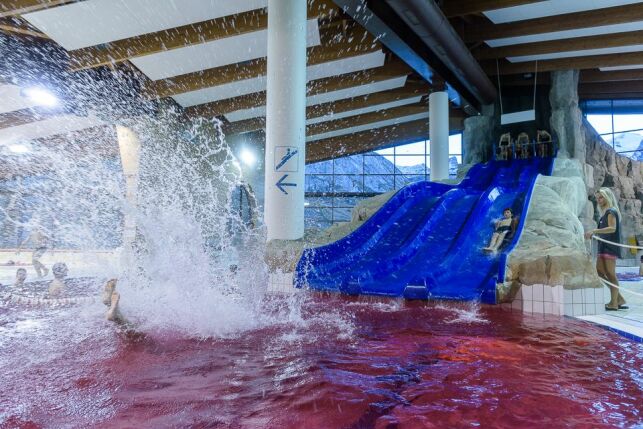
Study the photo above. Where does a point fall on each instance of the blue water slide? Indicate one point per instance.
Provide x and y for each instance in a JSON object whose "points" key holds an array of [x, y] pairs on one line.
{"points": [[427, 240]]}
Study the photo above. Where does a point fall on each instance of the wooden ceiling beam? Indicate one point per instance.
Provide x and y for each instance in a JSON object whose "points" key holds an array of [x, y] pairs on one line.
{"points": [[549, 24], [562, 45], [377, 138], [588, 62], [359, 43], [19, 7], [367, 118], [587, 76], [601, 96], [179, 37], [221, 107], [25, 116], [10, 27], [453, 8], [345, 105], [635, 86]]}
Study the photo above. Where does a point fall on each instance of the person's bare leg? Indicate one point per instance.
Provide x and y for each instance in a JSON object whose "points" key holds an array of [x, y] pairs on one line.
{"points": [[108, 290], [602, 271], [499, 237], [610, 272], [113, 314], [492, 243]]}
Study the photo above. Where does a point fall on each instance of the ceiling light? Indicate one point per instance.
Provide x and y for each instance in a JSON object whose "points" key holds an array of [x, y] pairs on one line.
{"points": [[248, 158], [41, 96], [18, 148]]}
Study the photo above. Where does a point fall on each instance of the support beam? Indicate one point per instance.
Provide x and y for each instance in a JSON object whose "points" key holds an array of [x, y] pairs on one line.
{"points": [[453, 8], [25, 116], [611, 88], [588, 62], [285, 121], [562, 45], [587, 76], [549, 24], [319, 86], [13, 29], [179, 37], [339, 106], [377, 138], [129, 147], [19, 7], [359, 43], [439, 134], [365, 118]]}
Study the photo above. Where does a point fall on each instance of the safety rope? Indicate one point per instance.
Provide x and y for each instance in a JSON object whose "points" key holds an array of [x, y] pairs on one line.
{"points": [[617, 244], [618, 287], [20, 299]]}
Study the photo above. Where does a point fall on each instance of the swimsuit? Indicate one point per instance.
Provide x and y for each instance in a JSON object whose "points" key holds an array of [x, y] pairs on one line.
{"points": [[503, 228]]}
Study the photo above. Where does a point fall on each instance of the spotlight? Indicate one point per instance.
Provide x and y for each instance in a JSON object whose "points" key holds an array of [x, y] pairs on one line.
{"points": [[40, 96], [18, 148], [248, 157]]}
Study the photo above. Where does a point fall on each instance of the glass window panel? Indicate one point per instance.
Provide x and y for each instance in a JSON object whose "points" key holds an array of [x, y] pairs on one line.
{"points": [[376, 164], [417, 148], [628, 141], [403, 180], [608, 138], [636, 155], [348, 183], [342, 214], [387, 151], [324, 167], [319, 215], [628, 122], [454, 161], [319, 183], [411, 164], [345, 202], [349, 165], [378, 183], [455, 144], [315, 223], [316, 202], [601, 123]]}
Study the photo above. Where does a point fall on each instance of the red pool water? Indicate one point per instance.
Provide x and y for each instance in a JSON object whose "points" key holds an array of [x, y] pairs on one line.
{"points": [[363, 365]]}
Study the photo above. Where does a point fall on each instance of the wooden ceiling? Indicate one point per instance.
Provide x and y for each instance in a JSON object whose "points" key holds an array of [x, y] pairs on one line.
{"points": [[341, 39]]}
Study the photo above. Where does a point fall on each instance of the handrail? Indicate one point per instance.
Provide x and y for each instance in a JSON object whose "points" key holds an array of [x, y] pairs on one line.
{"points": [[619, 287], [617, 244]]}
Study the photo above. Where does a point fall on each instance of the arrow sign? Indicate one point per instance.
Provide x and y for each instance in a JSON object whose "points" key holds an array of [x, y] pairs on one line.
{"points": [[281, 184]]}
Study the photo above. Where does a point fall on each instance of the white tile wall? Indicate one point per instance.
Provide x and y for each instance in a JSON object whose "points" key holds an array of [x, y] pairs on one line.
{"points": [[558, 301], [280, 283]]}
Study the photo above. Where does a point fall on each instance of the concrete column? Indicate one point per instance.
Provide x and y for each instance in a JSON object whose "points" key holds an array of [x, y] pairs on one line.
{"points": [[130, 150], [439, 134], [285, 120]]}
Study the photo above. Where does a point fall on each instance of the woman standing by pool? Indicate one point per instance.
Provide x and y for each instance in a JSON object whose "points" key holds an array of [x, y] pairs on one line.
{"points": [[609, 229]]}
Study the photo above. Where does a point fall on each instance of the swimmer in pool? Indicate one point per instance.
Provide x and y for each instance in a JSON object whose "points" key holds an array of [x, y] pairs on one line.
{"points": [[111, 299], [21, 276], [503, 226]]}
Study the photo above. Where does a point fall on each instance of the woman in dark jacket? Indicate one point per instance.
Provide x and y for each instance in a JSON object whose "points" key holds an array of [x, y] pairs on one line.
{"points": [[609, 228]]}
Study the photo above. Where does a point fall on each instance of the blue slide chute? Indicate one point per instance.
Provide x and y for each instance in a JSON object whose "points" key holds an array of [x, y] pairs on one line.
{"points": [[426, 241]]}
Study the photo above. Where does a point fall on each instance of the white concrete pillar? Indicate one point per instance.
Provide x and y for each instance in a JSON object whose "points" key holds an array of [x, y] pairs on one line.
{"points": [[285, 120], [439, 134], [130, 150]]}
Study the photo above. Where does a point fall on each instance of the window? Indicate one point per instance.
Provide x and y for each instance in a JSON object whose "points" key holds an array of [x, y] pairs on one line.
{"points": [[619, 122], [334, 187]]}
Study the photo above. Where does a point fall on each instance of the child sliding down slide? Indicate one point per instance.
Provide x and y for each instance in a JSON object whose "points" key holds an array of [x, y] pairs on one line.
{"points": [[503, 226]]}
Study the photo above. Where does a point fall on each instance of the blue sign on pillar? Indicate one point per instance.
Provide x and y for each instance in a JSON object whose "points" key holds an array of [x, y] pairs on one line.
{"points": [[286, 160]]}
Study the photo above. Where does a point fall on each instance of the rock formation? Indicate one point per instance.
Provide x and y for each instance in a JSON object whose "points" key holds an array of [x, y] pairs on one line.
{"points": [[551, 249]]}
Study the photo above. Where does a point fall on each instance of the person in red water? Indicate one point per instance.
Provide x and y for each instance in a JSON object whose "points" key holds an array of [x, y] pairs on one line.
{"points": [[111, 299], [609, 228], [503, 226]]}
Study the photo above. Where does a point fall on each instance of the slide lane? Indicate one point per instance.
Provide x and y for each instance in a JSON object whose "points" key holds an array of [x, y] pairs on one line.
{"points": [[392, 235]]}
